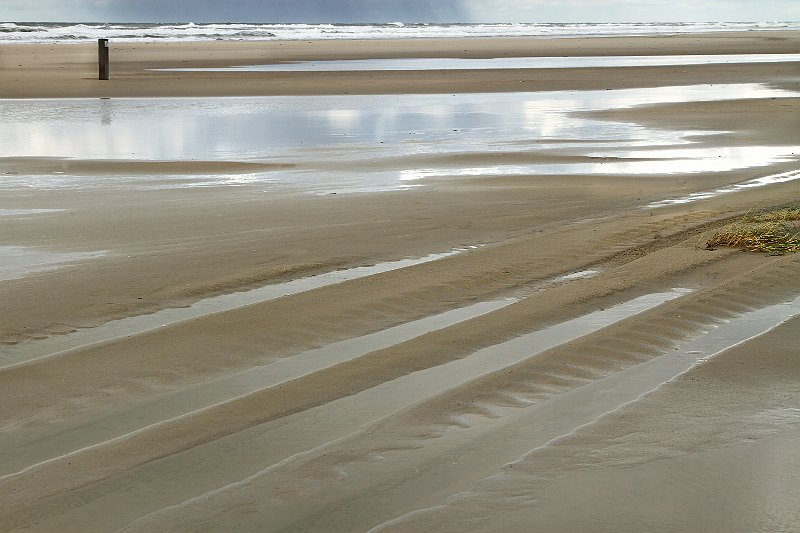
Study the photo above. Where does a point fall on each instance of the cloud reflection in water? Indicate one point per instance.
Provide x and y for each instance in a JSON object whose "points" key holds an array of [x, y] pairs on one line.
{"points": [[370, 142]]}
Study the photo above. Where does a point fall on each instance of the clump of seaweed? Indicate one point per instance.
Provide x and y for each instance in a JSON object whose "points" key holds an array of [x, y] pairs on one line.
{"points": [[776, 232]]}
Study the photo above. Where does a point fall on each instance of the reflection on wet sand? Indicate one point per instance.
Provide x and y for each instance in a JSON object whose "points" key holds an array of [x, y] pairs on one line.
{"points": [[455, 63], [17, 261], [771, 179], [372, 143]]}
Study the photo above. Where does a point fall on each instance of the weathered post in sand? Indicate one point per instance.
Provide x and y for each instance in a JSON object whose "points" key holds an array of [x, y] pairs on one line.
{"points": [[102, 58]]}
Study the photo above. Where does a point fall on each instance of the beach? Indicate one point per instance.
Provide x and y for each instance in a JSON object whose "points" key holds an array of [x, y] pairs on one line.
{"points": [[441, 299], [70, 69]]}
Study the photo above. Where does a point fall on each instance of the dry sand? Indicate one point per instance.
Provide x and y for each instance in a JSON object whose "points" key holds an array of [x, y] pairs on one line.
{"points": [[527, 417]]}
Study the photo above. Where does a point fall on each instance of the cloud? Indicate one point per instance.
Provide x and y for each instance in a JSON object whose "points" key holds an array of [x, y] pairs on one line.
{"points": [[44, 10], [289, 10], [400, 10], [631, 10]]}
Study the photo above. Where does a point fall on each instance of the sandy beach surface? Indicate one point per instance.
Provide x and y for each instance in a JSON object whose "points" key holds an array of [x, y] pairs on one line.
{"points": [[506, 337]]}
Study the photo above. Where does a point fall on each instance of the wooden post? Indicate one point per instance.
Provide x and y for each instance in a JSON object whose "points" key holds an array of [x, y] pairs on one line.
{"points": [[102, 58]]}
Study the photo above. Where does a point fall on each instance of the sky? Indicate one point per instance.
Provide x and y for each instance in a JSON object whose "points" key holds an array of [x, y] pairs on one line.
{"points": [[400, 10]]}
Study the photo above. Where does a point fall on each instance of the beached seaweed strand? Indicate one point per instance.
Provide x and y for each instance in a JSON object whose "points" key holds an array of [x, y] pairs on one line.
{"points": [[776, 232]]}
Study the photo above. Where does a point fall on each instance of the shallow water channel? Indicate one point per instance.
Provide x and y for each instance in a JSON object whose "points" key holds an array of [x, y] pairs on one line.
{"points": [[565, 411], [115, 329], [457, 63]]}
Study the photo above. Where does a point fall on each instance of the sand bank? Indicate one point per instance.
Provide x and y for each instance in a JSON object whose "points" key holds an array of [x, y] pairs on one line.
{"points": [[394, 403]]}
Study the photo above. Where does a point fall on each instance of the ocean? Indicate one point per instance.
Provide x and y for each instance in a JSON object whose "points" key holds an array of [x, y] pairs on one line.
{"points": [[38, 32]]}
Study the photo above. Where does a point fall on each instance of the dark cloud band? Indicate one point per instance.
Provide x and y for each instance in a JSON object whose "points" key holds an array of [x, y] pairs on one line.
{"points": [[290, 10]]}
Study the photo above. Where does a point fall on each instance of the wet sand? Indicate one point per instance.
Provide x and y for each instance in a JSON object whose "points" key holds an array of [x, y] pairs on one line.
{"points": [[575, 362]]}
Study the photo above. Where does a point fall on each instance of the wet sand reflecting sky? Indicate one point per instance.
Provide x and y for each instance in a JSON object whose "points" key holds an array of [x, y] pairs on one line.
{"points": [[437, 63], [372, 143]]}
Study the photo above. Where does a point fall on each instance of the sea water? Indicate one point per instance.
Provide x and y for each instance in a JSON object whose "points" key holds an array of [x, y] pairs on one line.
{"points": [[16, 32]]}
